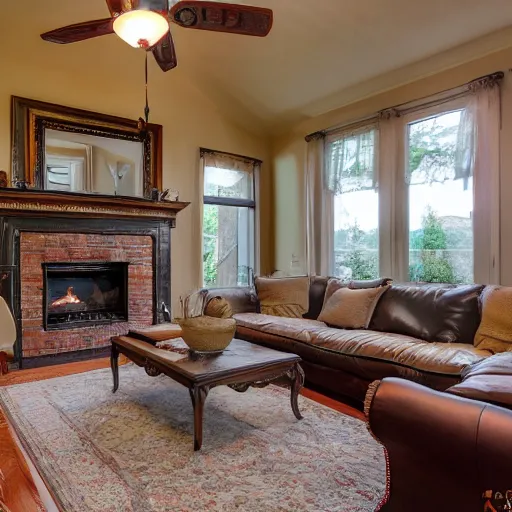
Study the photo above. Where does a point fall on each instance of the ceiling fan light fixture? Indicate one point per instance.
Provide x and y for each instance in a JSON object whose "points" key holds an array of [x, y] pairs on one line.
{"points": [[141, 29]]}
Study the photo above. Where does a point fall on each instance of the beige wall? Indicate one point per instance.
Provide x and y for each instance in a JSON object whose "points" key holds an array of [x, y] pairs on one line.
{"points": [[107, 76], [289, 155]]}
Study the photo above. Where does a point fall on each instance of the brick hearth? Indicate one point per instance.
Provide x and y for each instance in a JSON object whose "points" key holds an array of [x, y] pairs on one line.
{"points": [[38, 248]]}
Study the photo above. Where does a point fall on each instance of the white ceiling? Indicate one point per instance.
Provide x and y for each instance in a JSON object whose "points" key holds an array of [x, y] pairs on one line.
{"points": [[316, 49]]}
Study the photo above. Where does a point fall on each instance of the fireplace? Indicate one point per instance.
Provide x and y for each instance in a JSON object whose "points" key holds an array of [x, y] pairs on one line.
{"points": [[84, 294]]}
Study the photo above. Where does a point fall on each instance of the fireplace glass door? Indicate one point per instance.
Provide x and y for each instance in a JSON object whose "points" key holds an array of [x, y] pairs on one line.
{"points": [[83, 294]]}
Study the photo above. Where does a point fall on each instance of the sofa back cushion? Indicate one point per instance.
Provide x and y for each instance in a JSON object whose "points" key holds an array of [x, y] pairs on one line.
{"points": [[318, 287], [287, 296], [430, 313]]}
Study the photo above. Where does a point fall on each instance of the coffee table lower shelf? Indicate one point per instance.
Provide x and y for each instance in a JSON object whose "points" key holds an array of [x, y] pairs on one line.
{"points": [[241, 366]]}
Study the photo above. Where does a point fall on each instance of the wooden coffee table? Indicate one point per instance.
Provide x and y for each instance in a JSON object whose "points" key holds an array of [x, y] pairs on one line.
{"points": [[240, 366]]}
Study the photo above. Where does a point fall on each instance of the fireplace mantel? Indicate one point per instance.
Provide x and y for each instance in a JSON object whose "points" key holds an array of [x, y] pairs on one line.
{"points": [[38, 228], [59, 204]]}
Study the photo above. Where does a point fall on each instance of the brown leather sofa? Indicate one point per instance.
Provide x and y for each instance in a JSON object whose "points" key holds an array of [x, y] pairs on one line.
{"points": [[420, 333], [443, 451]]}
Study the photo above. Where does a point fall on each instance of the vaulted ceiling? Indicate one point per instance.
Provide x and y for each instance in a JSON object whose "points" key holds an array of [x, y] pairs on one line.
{"points": [[316, 50]]}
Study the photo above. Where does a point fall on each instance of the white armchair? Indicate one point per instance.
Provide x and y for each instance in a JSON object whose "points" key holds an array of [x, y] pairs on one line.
{"points": [[7, 335]]}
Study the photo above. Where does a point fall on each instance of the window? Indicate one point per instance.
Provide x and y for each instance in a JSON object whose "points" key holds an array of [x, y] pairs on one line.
{"points": [[440, 201], [228, 219], [352, 179]]}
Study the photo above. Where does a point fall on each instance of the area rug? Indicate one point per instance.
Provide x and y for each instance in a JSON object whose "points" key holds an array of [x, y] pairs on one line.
{"points": [[133, 451]]}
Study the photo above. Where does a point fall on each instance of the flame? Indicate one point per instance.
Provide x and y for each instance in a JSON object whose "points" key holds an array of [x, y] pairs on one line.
{"points": [[69, 298]]}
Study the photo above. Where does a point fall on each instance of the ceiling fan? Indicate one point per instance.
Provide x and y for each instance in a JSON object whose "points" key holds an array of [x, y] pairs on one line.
{"points": [[145, 24]]}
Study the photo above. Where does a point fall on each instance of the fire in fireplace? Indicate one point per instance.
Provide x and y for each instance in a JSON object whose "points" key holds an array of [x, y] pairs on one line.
{"points": [[83, 294]]}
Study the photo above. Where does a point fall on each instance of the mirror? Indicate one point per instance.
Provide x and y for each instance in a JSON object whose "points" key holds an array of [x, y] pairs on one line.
{"points": [[69, 150]]}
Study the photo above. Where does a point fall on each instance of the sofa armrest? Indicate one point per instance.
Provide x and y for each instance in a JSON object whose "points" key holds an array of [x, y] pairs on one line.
{"points": [[241, 299], [440, 448]]}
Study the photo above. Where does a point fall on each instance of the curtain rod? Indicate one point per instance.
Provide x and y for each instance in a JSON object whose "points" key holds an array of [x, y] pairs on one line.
{"points": [[203, 151], [491, 78]]}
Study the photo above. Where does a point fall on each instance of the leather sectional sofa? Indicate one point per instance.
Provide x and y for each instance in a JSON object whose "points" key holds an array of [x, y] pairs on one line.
{"points": [[417, 332]]}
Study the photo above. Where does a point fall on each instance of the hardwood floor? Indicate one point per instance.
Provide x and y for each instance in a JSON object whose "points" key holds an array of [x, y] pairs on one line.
{"points": [[17, 488]]}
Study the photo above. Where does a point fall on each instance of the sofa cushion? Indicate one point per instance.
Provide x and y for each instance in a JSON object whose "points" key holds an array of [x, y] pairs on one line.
{"points": [[496, 389], [495, 330], [438, 358], [431, 313], [293, 328], [286, 297], [351, 309], [407, 351], [317, 286], [489, 380]]}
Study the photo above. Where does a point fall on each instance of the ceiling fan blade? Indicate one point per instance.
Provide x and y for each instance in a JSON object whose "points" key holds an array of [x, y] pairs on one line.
{"points": [[80, 31], [165, 53], [221, 17]]}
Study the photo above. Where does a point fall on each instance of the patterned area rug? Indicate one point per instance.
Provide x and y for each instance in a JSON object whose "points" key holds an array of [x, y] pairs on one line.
{"points": [[133, 451]]}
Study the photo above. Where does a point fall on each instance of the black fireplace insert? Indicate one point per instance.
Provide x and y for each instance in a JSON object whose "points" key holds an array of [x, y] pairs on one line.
{"points": [[83, 294]]}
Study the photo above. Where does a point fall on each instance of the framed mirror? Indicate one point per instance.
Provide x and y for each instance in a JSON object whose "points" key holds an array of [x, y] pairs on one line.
{"points": [[66, 149]]}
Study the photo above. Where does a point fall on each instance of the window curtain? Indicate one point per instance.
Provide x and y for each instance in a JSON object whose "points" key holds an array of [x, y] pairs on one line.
{"points": [[485, 108], [392, 196], [320, 209], [350, 161]]}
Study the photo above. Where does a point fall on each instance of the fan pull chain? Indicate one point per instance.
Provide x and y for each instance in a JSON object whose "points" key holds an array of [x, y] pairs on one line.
{"points": [[146, 109]]}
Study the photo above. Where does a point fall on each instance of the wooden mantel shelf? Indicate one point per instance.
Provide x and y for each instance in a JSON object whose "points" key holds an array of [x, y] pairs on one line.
{"points": [[65, 204]]}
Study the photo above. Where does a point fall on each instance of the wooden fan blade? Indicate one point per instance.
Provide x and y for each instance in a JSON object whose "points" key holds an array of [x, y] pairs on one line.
{"points": [[165, 53], [80, 31], [221, 17]]}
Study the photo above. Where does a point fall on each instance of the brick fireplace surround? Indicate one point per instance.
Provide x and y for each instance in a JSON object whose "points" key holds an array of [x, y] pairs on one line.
{"points": [[39, 248], [47, 227]]}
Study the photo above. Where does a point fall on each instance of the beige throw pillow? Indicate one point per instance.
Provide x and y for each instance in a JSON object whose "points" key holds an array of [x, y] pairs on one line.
{"points": [[495, 330], [286, 297], [351, 309]]}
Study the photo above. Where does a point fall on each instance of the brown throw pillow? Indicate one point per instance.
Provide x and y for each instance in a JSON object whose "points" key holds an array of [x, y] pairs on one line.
{"points": [[286, 297], [351, 309], [218, 307], [495, 330]]}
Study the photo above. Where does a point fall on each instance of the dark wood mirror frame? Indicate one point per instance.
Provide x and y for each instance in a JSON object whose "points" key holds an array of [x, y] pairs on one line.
{"points": [[30, 119]]}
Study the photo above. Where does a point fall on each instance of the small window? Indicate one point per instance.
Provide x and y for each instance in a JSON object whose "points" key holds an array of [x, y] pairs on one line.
{"points": [[228, 219]]}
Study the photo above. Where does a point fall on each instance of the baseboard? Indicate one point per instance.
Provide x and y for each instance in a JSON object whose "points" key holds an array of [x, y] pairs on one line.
{"points": [[64, 357]]}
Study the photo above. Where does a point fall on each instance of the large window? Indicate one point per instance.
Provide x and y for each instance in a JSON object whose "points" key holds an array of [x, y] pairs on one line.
{"points": [[406, 199], [228, 220]]}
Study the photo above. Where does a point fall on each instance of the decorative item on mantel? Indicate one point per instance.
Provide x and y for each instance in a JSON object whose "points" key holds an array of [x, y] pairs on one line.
{"points": [[204, 335], [4, 182]]}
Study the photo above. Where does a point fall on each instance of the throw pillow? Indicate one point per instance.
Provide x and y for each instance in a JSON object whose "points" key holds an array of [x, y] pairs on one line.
{"points": [[351, 309], [286, 297], [218, 307], [495, 330], [336, 284]]}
